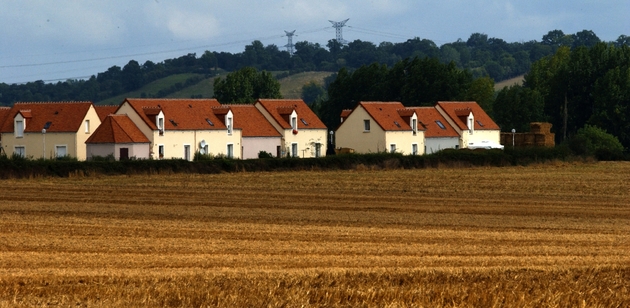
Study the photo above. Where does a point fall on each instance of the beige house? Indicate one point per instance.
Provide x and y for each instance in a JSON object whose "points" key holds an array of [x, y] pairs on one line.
{"points": [[472, 124], [49, 130], [257, 133], [303, 133], [373, 127], [178, 128], [119, 137]]}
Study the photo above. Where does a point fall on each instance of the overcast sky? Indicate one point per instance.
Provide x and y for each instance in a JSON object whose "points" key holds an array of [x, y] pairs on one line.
{"points": [[56, 40]]}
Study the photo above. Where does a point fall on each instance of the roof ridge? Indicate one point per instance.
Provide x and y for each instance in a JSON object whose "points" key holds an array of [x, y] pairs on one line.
{"points": [[51, 102], [121, 128]]}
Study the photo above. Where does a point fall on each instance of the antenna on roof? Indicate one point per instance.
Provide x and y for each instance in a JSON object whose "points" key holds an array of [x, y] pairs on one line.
{"points": [[338, 25], [289, 44]]}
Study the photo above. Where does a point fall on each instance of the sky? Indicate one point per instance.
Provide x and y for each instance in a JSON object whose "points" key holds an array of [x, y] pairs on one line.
{"points": [[74, 39]]}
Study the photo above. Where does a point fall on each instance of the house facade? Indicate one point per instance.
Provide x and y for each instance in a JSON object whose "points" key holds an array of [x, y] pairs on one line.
{"points": [[179, 128], [49, 130], [438, 133], [119, 137], [257, 133], [472, 124], [303, 134], [373, 127]]}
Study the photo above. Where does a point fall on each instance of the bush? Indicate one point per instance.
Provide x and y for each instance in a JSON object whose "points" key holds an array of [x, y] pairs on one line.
{"points": [[594, 141], [264, 154]]}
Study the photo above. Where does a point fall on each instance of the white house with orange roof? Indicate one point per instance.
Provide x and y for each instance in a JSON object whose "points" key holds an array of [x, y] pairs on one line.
{"points": [[178, 128], [373, 127], [257, 133], [303, 133], [438, 133], [470, 121], [119, 137], [49, 129]]}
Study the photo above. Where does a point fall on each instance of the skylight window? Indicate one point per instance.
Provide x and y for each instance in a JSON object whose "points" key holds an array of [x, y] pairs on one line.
{"points": [[47, 125], [397, 124], [209, 122], [304, 121], [173, 122], [479, 122], [439, 123]]}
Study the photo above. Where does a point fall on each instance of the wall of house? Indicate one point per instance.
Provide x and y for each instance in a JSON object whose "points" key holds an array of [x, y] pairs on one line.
{"points": [[83, 136], [175, 140], [404, 141], [351, 134], [436, 144], [253, 145], [136, 150], [34, 144], [480, 135], [306, 140]]}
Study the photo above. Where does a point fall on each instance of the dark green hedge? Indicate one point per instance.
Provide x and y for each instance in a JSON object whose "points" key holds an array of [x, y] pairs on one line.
{"points": [[23, 168]]}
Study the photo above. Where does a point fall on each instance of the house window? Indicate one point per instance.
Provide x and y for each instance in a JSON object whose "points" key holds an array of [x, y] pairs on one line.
{"points": [[470, 126], [414, 149], [187, 151], [161, 151], [229, 125], [366, 125], [19, 129], [61, 150], [87, 126], [20, 151], [294, 150], [440, 124], [230, 151], [204, 150], [414, 126], [161, 125], [294, 123], [392, 148]]}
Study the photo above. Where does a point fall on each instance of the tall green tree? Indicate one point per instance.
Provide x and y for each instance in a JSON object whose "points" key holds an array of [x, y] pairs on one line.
{"points": [[245, 86], [517, 106]]}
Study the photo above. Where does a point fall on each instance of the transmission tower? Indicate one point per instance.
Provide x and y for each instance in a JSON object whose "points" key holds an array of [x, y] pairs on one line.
{"points": [[290, 45], [338, 25]]}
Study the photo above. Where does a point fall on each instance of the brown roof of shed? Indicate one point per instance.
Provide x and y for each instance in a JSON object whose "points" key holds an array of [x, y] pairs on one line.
{"points": [[57, 116], [117, 128], [431, 119], [307, 119], [458, 111], [252, 123], [179, 114]]}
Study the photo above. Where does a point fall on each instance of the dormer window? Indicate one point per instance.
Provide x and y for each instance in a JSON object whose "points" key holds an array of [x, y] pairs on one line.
{"points": [[19, 128], [294, 123], [471, 125], [160, 123], [414, 126], [229, 125]]}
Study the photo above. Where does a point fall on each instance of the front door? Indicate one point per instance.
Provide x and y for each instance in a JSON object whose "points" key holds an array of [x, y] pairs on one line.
{"points": [[124, 154]]}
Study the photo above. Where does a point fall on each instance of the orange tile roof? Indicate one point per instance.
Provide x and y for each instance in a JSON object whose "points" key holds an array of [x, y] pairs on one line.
{"points": [[252, 123], [179, 114], [429, 117], [307, 119], [117, 128], [104, 111], [388, 115], [458, 111], [63, 116]]}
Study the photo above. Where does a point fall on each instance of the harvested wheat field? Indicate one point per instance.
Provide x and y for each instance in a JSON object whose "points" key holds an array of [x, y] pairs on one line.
{"points": [[555, 235]]}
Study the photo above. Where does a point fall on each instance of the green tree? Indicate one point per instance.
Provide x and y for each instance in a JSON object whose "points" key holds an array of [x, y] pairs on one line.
{"points": [[246, 86], [517, 106], [592, 140], [312, 92], [481, 90]]}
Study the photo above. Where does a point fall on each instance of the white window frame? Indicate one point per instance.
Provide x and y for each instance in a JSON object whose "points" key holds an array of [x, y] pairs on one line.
{"points": [[318, 149], [392, 148], [229, 151], [160, 147], [159, 122], [23, 152], [57, 146], [414, 149], [366, 125], [187, 154], [414, 126], [19, 128], [87, 126], [230, 125], [294, 149]]}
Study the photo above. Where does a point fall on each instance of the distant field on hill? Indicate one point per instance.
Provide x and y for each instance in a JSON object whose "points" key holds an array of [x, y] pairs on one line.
{"points": [[153, 87], [554, 235], [291, 86], [509, 82]]}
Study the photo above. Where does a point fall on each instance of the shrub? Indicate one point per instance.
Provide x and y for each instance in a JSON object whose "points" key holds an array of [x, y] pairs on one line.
{"points": [[594, 141], [264, 154]]}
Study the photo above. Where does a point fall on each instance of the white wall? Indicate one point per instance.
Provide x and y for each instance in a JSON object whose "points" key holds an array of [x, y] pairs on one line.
{"points": [[436, 144], [253, 145], [137, 150]]}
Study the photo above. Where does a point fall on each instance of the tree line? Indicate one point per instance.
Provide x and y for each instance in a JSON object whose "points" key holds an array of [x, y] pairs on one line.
{"points": [[480, 55]]}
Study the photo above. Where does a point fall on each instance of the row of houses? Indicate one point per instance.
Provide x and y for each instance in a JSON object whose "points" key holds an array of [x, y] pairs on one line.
{"points": [[179, 128]]}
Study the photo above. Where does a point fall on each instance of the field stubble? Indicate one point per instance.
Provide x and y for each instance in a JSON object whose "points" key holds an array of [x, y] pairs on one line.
{"points": [[549, 235]]}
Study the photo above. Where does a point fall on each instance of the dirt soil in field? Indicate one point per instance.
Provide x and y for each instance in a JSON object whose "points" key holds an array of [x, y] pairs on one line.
{"points": [[553, 235]]}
